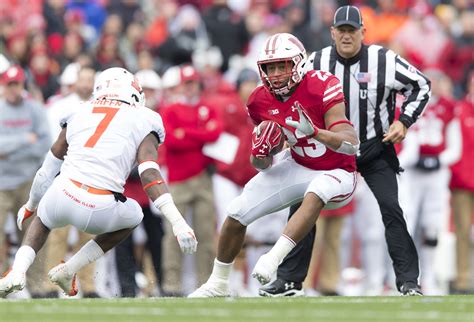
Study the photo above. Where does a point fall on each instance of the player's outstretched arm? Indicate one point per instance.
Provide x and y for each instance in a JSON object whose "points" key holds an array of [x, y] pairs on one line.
{"points": [[157, 190], [44, 178]]}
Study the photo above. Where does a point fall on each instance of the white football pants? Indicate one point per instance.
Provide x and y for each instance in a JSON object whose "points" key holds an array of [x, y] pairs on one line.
{"points": [[66, 204], [285, 184]]}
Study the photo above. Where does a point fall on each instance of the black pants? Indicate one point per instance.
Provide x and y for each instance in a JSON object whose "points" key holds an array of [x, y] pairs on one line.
{"points": [[382, 181], [125, 260]]}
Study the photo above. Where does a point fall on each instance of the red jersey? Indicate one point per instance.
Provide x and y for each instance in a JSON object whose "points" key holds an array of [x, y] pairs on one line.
{"points": [[188, 128], [433, 125], [462, 174], [236, 122], [317, 94]]}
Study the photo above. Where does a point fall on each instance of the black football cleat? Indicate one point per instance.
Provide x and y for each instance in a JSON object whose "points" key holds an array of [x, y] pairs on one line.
{"points": [[410, 289], [280, 287]]}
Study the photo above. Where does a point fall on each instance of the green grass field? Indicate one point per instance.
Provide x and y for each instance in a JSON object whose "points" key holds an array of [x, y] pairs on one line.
{"points": [[334, 309]]}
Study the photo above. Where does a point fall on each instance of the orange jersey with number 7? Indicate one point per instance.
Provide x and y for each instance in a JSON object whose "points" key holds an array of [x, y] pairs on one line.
{"points": [[103, 138], [317, 93]]}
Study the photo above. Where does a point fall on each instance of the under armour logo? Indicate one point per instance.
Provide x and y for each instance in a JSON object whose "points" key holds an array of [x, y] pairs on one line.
{"points": [[289, 286], [294, 108]]}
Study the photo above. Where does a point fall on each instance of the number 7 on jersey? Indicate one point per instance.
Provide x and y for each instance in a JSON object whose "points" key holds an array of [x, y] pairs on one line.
{"points": [[109, 115]]}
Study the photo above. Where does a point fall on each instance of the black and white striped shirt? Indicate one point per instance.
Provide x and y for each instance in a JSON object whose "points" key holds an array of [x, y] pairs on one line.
{"points": [[370, 82]]}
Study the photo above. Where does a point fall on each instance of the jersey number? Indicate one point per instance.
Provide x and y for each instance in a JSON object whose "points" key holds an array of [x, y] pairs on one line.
{"points": [[311, 148], [322, 75], [109, 115]]}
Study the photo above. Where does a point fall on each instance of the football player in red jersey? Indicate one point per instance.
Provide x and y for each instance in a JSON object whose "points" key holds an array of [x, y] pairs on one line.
{"points": [[434, 144], [462, 193], [318, 169]]}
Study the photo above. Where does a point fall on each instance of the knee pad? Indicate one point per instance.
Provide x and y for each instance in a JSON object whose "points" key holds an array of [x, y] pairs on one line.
{"points": [[234, 210]]}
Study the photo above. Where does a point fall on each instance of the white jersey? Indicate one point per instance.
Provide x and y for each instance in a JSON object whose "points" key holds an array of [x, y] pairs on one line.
{"points": [[103, 138]]}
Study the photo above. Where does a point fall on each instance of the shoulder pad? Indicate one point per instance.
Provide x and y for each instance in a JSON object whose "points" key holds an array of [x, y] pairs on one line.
{"points": [[155, 121], [317, 81]]}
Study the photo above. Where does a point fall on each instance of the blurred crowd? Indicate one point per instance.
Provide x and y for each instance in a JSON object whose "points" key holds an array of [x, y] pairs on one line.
{"points": [[196, 61]]}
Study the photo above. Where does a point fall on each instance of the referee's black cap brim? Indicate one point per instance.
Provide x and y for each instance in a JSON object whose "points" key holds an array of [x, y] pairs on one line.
{"points": [[347, 23]]}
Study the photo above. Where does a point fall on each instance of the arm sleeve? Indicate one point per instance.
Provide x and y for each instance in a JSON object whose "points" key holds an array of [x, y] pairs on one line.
{"points": [[416, 88], [43, 179], [453, 150], [410, 153]]}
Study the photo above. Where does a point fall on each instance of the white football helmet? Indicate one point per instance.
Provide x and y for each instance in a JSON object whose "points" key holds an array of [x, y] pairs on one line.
{"points": [[119, 84], [282, 47]]}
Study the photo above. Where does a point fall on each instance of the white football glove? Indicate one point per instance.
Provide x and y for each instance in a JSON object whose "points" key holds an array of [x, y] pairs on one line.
{"points": [[305, 126], [23, 214], [186, 239]]}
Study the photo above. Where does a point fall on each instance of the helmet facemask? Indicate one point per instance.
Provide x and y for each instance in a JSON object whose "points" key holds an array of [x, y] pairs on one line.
{"points": [[285, 48], [291, 74]]}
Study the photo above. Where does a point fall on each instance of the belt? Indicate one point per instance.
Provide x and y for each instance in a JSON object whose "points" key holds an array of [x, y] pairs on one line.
{"points": [[91, 189]]}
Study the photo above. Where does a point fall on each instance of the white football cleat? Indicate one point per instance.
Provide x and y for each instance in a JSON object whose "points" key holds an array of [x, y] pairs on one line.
{"points": [[12, 282], [265, 268], [212, 289], [60, 276]]}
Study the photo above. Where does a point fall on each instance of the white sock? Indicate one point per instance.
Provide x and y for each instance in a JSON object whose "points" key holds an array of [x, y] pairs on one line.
{"points": [[427, 268], [89, 253], [221, 271], [283, 246], [24, 257]]}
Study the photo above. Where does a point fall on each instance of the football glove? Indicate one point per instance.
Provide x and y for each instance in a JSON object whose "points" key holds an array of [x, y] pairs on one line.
{"points": [[265, 137], [23, 214], [304, 126], [185, 235]]}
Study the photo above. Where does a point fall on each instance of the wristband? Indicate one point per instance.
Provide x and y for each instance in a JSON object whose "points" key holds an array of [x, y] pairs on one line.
{"points": [[339, 122], [348, 148], [148, 185], [145, 165]]}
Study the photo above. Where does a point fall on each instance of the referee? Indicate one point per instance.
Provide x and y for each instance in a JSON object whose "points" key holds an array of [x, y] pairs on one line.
{"points": [[371, 77]]}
